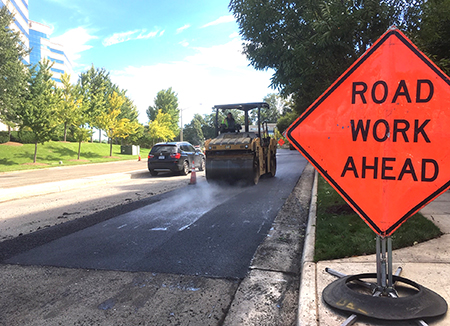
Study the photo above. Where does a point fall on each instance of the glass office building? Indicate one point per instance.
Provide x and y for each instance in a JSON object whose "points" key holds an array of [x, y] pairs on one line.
{"points": [[42, 47], [20, 10], [36, 36]]}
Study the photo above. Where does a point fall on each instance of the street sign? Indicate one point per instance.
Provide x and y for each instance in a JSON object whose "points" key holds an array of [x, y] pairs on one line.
{"points": [[379, 135]]}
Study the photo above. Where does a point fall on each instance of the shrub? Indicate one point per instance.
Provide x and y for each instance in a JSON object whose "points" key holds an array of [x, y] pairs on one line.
{"points": [[4, 137], [24, 137]]}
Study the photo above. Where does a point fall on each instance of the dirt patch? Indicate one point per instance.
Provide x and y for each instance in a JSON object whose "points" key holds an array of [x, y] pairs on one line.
{"points": [[12, 143], [78, 160], [343, 209], [113, 157], [36, 164]]}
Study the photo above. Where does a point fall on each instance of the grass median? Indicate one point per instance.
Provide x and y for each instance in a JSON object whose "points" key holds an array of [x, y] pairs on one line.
{"points": [[16, 156], [341, 233]]}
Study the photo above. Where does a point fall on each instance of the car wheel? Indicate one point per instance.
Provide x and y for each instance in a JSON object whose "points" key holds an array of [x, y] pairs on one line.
{"points": [[154, 173], [202, 165], [185, 169]]}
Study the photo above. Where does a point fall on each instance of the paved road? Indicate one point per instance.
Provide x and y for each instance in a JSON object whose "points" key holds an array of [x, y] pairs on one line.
{"points": [[208, 230], [267, 295]]}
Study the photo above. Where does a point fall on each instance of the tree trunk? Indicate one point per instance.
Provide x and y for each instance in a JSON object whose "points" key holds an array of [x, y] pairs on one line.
{"points": [[65, 131], [99, 136], [110, 148], [35, 152], [79, 149], [9, 133]]}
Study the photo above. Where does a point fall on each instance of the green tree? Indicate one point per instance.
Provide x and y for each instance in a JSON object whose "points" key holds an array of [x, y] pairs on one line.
{"points": [[70, 105], [160, 129], [81, 130], [96, 86], [128, 109], [112, 124], [271, 113], [13, 72], [167, 102], [309, 44], [286, 120], [208, 129], [38, 108], [430, 30], [193, 132]]}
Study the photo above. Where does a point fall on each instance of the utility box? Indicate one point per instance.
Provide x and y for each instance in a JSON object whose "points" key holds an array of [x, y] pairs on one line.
{"points": [[129, 150]]}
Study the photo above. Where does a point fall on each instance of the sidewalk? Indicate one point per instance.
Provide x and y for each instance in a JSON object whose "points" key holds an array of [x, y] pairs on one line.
{"points": [[427, 264]]}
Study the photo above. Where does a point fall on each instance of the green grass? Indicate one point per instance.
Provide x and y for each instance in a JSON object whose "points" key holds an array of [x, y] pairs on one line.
{"points": [[341, 233], [15, 158]]}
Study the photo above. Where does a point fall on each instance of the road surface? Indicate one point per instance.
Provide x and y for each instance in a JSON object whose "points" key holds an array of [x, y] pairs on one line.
{"points": [[173, 258]]}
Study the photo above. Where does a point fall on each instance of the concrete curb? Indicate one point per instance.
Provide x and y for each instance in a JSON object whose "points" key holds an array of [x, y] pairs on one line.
{"points": [[9, 194], [268, 295], [307, 299]]}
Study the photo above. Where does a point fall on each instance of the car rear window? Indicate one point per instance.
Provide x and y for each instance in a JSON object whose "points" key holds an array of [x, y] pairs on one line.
{"points": [[164, 149]]}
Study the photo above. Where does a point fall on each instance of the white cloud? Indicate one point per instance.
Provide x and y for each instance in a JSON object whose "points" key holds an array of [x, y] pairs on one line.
{"points": [[215, 75], [221, 20], [184, 43], [75, 41], [181, 29], [119, 38], [130, 35], [234, 35]]}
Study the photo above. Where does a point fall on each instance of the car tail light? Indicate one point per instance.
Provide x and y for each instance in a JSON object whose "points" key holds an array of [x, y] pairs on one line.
{"points": [[177, 155], [151, 156]]}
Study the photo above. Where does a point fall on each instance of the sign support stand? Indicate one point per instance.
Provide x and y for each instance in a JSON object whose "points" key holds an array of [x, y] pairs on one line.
{"points": [[341, 294], [384, 260]]}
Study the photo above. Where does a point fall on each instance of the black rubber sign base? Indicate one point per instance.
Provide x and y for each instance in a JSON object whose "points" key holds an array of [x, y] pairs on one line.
{"points": [[413, 302]]}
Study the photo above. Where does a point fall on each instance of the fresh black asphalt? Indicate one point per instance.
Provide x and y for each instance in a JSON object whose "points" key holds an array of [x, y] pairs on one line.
{"points": [[204, 229]]}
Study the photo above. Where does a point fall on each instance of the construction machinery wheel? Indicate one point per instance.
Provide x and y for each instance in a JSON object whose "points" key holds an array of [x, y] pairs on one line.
{"points": [[255, 173], [273, 165]]}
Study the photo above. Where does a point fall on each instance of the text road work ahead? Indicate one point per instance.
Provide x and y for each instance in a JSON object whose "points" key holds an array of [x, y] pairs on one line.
{"points": [[397, 130]]}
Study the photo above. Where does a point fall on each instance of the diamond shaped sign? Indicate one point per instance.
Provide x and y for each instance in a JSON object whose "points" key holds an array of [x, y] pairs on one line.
{"points": [[379, 134]]}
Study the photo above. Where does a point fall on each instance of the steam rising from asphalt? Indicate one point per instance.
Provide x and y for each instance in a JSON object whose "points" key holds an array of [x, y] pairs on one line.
{"points": [[182, 209]]}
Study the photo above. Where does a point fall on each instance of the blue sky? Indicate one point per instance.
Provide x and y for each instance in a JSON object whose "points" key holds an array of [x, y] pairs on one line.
{"points": [[146, 45]]}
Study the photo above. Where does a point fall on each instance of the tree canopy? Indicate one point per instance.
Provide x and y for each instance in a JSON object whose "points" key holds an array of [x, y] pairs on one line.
{"points": [[13, 72], [193, 132], [167, 101], [39, 106], [160, 129], [112, 124], [309, 44]]}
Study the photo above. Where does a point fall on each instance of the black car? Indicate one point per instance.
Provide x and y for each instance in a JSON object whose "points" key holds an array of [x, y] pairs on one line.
{"points": [[176, 157]]}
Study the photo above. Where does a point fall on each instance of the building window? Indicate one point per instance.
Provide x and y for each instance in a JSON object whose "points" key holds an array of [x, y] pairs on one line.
{"points": [[57, 70]]}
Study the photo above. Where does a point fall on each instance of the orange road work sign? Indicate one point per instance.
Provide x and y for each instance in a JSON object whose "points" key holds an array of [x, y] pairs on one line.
{"points": [[379, 135]]}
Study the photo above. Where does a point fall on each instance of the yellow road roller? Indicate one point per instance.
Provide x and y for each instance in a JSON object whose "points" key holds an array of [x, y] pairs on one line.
{"points": [[239, 154]]}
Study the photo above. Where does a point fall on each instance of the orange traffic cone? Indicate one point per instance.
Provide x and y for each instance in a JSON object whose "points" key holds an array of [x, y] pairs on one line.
{"points": [[193, 175], [139, 158]]}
